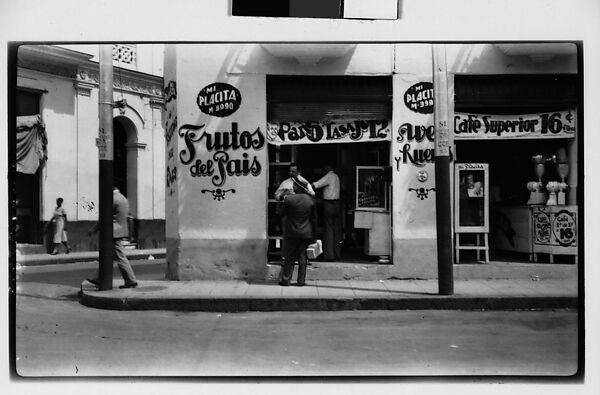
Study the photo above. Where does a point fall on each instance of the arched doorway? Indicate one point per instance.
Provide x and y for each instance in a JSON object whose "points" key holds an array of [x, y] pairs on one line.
{"points": [[120, 155], [125, 166]]}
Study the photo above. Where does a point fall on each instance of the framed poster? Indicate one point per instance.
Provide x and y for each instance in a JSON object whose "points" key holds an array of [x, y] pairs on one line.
{"points": [[471, 198], [371, 188]]}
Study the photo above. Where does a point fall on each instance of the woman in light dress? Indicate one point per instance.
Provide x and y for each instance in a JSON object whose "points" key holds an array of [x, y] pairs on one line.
{"points": [[60, 232]]}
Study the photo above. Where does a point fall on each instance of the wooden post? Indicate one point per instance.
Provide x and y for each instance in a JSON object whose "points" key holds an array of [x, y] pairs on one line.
{"points": [[105, 154], [442, 170]]}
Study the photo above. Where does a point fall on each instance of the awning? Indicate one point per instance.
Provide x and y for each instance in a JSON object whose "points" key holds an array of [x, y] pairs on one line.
{"points": [[31, 144]]}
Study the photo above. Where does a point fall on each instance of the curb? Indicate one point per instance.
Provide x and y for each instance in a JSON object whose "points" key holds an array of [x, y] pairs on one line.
{"points": [[75, 258], [231, 305]]}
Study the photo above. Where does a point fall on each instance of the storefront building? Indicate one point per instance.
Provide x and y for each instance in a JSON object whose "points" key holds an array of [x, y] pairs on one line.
{"points": [[57, 127], [237, 115]]}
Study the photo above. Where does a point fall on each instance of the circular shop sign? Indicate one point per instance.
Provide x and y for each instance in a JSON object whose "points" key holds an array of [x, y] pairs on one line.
{"points": [[422, 176], [419, 98], [542, 228], [219, 99], [563, 228]]}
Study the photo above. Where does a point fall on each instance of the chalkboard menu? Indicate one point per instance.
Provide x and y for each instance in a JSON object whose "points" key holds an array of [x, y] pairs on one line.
{"points": [[371, 188]]}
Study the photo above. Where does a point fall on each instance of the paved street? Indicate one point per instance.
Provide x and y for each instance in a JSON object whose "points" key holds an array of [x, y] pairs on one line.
{"points": [[55, 335]]}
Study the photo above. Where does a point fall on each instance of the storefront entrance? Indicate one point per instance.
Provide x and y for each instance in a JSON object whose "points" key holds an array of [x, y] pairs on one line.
{"points": [[360, 243], [524, 129], [344, 121]]}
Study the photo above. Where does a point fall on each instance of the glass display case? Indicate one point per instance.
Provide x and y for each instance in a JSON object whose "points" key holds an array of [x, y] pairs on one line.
{"points": [[371, 188]]}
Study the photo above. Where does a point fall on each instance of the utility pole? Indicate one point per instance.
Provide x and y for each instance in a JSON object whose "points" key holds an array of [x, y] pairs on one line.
{"points": [[105, 154], [442, 170]]}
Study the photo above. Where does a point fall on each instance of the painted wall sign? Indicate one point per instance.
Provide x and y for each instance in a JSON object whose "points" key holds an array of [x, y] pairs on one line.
{"points": [[170, 91], [222, 163], [410, 134], [170, 126], [422, 193], [218, 194], [219, 99], [553, 228], [105, 145], [281, 133], [419, 98], [560, 124]]}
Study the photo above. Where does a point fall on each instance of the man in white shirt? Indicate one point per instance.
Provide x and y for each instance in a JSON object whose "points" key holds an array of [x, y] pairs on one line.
{"points": [[332, 239], [287, 185]]}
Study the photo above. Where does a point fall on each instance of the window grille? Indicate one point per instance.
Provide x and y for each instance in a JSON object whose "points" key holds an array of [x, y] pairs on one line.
{"points": [[125, 53]]}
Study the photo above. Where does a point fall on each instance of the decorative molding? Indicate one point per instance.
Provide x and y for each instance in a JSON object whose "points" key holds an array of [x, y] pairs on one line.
{"points": [[83, 88], [63, 70], [157, 103], [128, 83]]}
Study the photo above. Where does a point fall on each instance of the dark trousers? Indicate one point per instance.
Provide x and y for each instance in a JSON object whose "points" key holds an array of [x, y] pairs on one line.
{"points": [[122, 263], [294, 250], [332, 238]]}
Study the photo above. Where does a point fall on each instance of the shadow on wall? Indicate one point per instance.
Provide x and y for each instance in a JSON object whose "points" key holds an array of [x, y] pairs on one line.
{"points": [[489, 59]]}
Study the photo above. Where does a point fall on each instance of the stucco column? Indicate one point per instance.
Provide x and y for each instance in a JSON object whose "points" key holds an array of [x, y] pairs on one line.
{"points": [[216, 190], [413, 171]]}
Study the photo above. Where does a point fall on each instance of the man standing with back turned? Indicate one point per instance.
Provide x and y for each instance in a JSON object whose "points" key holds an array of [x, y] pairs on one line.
{"points": [[332, 239], [300, 229]]}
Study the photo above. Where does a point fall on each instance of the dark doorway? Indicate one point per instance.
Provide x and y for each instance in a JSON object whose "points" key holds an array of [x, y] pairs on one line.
{"points": [[120, 157], [29, 225]]}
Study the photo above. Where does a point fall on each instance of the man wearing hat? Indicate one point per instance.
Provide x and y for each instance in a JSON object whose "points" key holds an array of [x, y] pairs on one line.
{"points": [[300, 229], [286, 185]]}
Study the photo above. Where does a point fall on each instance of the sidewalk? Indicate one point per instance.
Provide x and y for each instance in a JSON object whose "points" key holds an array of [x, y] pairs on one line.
{"points": [[238, 296], [84, 256]]}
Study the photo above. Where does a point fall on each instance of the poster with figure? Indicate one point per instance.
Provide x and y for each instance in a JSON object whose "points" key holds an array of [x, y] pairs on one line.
{"points": [[471, 201], [371, 188]]}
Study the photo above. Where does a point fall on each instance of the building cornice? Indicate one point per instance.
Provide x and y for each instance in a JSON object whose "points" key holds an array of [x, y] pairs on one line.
{"points": [[123, 80], [52, 54], [85, 73]]}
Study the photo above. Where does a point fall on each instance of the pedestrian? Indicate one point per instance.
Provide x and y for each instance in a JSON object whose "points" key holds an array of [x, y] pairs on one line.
{"points": [[300, 227], [332, 239], [286, 186], [285, 189], [59, 220], [120, 233]]}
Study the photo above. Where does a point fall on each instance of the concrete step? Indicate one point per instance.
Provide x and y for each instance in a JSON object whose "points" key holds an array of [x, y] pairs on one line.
{"points": [[30, 249]]}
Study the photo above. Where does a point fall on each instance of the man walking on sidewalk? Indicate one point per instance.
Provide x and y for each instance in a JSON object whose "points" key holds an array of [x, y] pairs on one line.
{"points": [[120, 233], [300, 229]]}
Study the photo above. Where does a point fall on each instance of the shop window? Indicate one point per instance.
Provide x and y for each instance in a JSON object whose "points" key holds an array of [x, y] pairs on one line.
{"points": [[333, 9]]}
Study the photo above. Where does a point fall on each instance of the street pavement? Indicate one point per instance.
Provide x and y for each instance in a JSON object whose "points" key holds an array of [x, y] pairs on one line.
{"points": [[369, 336], [57, 336]]}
